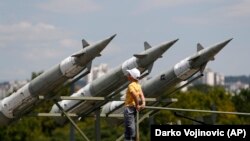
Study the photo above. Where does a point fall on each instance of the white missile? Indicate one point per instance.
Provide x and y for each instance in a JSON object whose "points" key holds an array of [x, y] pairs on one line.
{"points": [[23, 100]]}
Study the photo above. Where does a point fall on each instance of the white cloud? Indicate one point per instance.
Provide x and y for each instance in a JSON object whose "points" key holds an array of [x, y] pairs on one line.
{"points": [[28, 44], [28, 32], [36, 42], [70, 6]]}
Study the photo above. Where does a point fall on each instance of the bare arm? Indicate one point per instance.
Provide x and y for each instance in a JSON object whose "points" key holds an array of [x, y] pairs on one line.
{"points": [[136, 99], [143, 100]]}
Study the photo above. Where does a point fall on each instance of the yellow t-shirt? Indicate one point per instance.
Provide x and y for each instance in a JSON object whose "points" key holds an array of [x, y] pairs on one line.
{"points": [[135, 88]]}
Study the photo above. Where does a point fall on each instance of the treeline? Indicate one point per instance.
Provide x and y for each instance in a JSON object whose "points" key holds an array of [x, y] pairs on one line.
{"points": [[241, 78], [198, 97]]}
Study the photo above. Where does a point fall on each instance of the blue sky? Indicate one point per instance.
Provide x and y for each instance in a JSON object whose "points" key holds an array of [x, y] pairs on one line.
{"points": [[36, 35]]}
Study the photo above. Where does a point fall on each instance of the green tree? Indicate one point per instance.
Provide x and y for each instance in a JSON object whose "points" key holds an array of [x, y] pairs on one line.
{"points": [[201, 97], [241, 102]]}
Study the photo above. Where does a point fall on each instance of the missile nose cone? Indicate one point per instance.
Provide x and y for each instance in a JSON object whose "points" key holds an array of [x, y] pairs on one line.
{"points": [[226, 42], [167, 45], [113, 36], [222, 45], [102, 44], [106, 41], [173, 42], [95, 49]]}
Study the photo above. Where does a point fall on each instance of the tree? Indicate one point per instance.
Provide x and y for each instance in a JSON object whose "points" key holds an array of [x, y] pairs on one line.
{"points": [[202, 97], [241, 102]]}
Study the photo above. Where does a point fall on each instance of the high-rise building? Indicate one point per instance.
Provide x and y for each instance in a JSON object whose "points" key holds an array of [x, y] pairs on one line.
{"points": [[211, 78]]}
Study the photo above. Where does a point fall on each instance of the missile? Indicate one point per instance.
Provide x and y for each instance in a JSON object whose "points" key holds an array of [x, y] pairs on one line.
{"points": [[166, 81], [23, 100], [111, 81]]}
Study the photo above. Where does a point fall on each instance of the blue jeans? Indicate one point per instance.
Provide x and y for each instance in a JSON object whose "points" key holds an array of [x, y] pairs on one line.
{"points": [[129, 121]]}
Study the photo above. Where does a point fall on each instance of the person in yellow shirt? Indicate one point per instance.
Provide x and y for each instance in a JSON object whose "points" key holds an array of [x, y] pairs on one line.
{"points": [[134, 102]]}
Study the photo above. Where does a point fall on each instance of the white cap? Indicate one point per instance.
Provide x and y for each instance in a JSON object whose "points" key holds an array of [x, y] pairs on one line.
{"points": [[135, 73]]}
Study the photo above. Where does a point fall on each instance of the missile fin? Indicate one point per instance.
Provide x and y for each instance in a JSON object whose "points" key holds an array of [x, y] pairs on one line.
{"points": [[84, 43], [150, 67], [202, 68], [147, 45], [89, 65], [199, 47]]}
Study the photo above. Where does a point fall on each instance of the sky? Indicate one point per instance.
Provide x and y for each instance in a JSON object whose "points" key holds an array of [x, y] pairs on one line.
{"points": [[36, 35]]}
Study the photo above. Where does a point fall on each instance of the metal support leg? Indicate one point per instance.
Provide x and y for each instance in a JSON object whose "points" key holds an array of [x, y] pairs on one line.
{"points": [[97, 125], [137, 126], [72, 133], [72, 122], [151, 120], [71, 128]]}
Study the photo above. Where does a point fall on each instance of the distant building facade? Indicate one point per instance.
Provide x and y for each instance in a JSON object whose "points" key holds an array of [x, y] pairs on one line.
{"points": [[211, 78], [236, 87]]}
